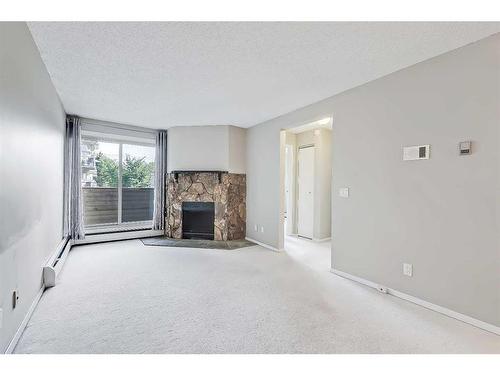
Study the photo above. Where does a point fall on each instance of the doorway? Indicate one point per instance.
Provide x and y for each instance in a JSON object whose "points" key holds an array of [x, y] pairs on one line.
{"points": [[306, 189]]}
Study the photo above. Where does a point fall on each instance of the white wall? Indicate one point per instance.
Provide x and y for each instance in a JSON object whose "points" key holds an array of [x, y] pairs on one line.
{"points": [[442, 215], [207, 148], [31, 172]]}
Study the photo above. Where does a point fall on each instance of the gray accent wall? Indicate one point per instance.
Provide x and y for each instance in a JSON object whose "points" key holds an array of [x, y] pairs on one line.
{"points": [[442, 215], [32, 127]]}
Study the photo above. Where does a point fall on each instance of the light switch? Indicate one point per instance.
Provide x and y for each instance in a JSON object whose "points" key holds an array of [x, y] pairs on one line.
{"points": [[344, 192]]}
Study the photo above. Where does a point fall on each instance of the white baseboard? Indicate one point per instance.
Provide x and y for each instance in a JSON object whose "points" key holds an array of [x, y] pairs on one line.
{"points": [[51, 259], [431, 306], [65, 245], [322, 239], [62, 259], [24, 323], [263, 245]]}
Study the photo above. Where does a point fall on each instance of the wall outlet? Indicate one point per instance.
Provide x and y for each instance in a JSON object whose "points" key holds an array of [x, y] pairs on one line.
{"points": [[256, 228], [344, 192], [1, 318], [261, 229], [408, 269]]}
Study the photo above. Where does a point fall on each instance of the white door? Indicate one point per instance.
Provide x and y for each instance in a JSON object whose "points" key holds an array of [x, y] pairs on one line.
{"points": [[305, 178]]}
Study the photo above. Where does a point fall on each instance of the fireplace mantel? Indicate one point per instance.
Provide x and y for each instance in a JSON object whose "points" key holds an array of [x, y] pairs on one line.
{"points": [[177, 173]]}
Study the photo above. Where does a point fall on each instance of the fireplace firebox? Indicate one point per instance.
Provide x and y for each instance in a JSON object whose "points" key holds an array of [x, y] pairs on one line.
{"points": [[198, 220]]}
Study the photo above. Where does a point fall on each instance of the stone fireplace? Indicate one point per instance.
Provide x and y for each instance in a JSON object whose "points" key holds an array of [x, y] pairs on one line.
{"points": [[226, 190]]}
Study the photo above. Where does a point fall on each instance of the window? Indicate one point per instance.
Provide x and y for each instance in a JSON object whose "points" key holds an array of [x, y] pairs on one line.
{"points": [[117, 182], [137, 183]]}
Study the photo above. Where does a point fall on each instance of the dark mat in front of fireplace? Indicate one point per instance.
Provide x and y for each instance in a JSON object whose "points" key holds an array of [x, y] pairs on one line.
{"points": [[197, 244]]}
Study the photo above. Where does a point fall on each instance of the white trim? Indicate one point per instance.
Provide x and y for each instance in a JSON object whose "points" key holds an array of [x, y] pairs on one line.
{"points": [[50, 261], [60, 262], [52, 257], [99, 125], [263, 245], [431, 306], [120, 184], [116, 138], [322, 239], [118, 236], [24, 323]]}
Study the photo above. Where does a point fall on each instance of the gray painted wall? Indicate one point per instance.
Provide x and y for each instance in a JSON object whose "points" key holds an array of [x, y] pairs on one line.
{"points": [[197, 148], [323, 187], [237, 149], [31, 172], [442, 215], [207, 148]]}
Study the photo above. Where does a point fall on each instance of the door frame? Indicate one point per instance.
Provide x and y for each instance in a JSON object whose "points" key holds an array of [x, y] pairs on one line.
{"points": [[281, 197], [290, 206]]}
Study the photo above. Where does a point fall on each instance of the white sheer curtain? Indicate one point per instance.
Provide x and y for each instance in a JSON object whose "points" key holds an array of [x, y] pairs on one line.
{"points": [[160, 174], [73, 205]]}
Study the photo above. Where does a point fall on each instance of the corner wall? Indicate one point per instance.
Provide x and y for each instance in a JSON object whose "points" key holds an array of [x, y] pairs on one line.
{"points": [[32, 126], [442, 215], [211, 147]]}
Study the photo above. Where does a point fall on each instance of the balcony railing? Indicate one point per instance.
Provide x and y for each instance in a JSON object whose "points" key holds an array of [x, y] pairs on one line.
{"points": [[101, 205]]}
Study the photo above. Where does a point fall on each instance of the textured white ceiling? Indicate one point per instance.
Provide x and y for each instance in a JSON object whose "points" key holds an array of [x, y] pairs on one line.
{"points": [[171, 74]]}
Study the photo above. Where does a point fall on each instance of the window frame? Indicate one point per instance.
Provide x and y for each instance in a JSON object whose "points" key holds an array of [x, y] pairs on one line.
{"points": [[140, 138]]}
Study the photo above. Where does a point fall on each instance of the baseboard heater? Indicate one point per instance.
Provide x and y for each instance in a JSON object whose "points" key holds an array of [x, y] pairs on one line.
{"points": [[55, 263]]}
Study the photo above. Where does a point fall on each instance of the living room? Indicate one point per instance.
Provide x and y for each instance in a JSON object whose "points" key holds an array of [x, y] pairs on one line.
{"points": [[250, 187]]}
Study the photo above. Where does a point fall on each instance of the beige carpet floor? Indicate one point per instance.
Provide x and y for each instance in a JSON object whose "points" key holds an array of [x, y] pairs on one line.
{"points": [[124, 297]]}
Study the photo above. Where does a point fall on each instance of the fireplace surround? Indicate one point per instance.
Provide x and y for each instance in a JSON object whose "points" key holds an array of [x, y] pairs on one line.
{"points": [[226, 191]]}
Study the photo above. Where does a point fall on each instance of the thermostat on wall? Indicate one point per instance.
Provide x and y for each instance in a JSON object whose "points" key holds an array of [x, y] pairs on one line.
{"points": [[420, 152], [465, 147]]}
